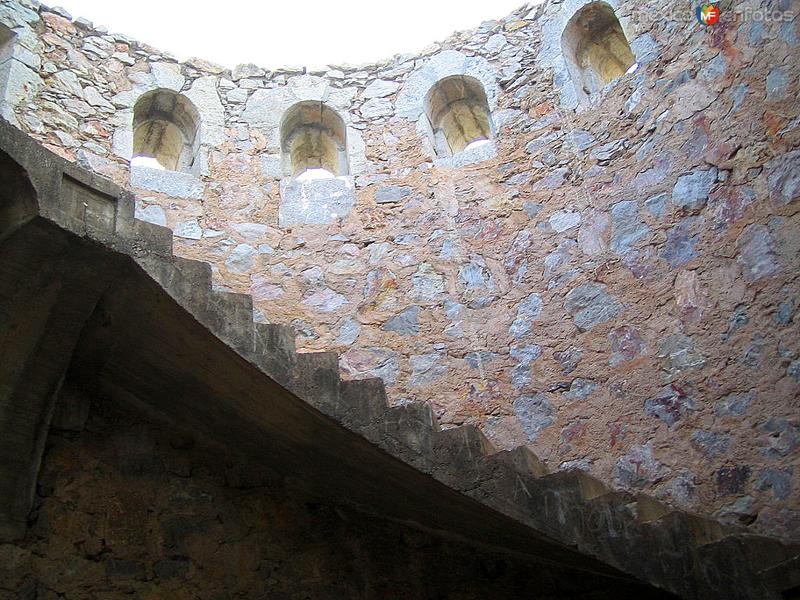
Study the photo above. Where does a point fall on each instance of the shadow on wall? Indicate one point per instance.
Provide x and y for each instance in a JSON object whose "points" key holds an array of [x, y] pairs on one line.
{"points": [[17, 196]]}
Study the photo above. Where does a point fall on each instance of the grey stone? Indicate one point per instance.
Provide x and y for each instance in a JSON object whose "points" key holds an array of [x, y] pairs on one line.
{"points": [[738, 94], [524, 355], [777, 480], [392, 193], [315, 201], [782, 437], [189, 230], [425, 369], [554, 179], [252, 232], [246, 70], [380, 88], [691, 191], [348, 333], [325, 300], [375, 108], [528, 310], [540, 142], [581, 139], [793, 370], [626, 344], [242, 259], [714, 68], [680, 246], [380, 362], [639, 469], [532, 209], [479, 360], [609, 151], [151, 213], [495, 43], [627, 226], [580, 389], [568, 359], [563, 220], [426, 283], [405, 322], [678, 353], [67, 81], [171, 183], [590, 305], [783, 177], [657, 205], [645, 48], [670, 405], [167, 75], [593, 234], [777, 83], [756, 253], [535, 414], [710, 444]]}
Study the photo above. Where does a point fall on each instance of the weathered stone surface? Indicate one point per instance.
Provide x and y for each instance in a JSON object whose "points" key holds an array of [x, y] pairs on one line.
{"points": [[670, 405], [405, 322], [711, 444], [731, 480], [563, 220], [151, 213], [627, 226], [626, 344], [172, 183], [733, 405], [242, 259], [392, 193], [593, 235], [325, 300], [535, 414], [580, 389], [678, 353], [756, 253], [639, 468], [381, 362], [691, 191], [590, 305], [681, 242], [380, 88], [426, 368], [315, 202], [190, 230], [528, 310]]}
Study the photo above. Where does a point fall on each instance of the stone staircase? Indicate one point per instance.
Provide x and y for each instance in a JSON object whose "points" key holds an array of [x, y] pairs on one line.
{"points": [[689, 555]]}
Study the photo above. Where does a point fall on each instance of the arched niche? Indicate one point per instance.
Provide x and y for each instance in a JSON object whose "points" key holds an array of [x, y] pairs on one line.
{"points": [[595, 48], [165, 128], [313, 136], [458, 112]]}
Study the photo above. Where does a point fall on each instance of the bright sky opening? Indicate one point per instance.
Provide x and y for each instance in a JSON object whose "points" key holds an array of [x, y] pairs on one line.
{"points": [[314, 33]]}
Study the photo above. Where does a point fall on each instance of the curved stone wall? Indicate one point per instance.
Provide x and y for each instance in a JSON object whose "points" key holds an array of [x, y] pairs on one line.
{"points": [[612, 281]]}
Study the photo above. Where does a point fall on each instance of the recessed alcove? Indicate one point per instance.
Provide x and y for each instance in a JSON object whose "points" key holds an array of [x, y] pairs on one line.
{"points": [[459, 115], [165, 131], [316, 188], [313, 137], [595, 48]]}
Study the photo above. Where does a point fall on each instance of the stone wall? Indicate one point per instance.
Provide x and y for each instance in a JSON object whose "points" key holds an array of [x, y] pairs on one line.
{"points": [[612, 281], [130, 507]]}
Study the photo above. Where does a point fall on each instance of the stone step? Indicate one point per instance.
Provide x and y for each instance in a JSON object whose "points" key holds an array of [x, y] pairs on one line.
{"points": [[148, 239], [364, 402], [315, 379], [230, 318], [751, 566], [407, 432], [275, 351]]}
